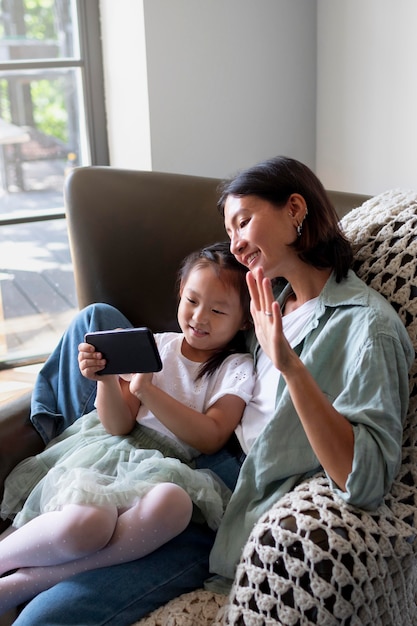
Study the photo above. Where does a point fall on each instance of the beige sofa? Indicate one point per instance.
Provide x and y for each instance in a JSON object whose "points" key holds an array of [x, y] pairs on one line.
{"points": [[311, 559]]}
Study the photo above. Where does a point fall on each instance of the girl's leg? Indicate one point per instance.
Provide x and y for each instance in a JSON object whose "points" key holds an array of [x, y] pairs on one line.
{"points": [[61, 393], [58, 537], [163, 513]]}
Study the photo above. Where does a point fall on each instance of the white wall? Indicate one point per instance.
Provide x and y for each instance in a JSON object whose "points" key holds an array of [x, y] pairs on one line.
{"points": [[209, 86], [367, 94], [125, 77], [228, 83]]}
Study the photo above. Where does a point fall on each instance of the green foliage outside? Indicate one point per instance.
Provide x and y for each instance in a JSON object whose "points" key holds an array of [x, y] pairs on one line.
{"points": [[39, 19], [49, 108]]}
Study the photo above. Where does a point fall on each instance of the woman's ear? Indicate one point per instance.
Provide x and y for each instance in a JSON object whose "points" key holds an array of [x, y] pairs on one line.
{"points": [[297, 205]]}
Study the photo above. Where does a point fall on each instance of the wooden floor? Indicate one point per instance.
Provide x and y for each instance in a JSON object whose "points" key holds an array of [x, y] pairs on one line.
{"points": [[37, 292], [37, 297]]}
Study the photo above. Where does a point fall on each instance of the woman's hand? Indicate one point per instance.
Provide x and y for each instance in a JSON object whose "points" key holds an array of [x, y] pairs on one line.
{"points": [[90, 362], [267, 320]]}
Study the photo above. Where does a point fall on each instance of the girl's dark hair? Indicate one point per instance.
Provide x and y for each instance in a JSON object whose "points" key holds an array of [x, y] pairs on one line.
{"points": [[322, 243], [231, 272]]}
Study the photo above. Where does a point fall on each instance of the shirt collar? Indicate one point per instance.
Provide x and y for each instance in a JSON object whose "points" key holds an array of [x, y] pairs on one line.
{"points": [[348, 292]]}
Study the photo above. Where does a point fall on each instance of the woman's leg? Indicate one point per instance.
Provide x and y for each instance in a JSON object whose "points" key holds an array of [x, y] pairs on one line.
{"points": [[163, 513], [61, 393]]}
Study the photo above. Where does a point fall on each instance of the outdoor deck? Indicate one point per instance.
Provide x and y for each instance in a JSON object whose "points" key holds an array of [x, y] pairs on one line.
{"points": [[37, 292]]}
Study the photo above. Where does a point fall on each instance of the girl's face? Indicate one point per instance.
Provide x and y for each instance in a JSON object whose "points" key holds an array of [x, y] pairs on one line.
{"points": [[209, 313], [260, 234]]}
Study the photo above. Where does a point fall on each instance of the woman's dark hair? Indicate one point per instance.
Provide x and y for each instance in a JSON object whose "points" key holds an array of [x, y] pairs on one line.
{"points": [[322, 242], [230, 272]]}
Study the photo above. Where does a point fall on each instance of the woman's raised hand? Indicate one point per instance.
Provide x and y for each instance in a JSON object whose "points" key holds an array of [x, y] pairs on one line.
{"points": [[267, 320]]}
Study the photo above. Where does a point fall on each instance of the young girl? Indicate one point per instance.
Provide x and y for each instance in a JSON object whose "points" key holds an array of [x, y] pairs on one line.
{"points": [[119, 482]]}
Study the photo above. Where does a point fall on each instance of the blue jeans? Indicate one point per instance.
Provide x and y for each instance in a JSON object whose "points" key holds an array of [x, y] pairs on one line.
{"points": [[121, 594], [61, 393]]}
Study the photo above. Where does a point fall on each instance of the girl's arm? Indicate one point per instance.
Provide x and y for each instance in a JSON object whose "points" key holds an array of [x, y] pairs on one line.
{"points": [[329, 432], [116, 406], [207, 432]]}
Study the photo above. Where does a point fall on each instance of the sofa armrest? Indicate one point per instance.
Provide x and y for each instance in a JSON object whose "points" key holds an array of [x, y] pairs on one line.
{"points": [[312, 558], [18, 438]]}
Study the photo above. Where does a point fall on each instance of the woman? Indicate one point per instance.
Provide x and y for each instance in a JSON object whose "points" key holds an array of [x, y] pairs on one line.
{"points": [[332, 390], [332, 354]]}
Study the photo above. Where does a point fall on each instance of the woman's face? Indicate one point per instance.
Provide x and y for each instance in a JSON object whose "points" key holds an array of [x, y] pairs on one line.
{"points": [[260, 234]]}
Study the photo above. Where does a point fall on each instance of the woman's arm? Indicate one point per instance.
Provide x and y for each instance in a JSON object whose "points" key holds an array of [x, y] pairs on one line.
{"points": [[329, 432], [207, 432]]}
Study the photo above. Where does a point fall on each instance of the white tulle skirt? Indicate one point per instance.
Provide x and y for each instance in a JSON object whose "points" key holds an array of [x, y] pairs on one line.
{"points": [[86, 465]]}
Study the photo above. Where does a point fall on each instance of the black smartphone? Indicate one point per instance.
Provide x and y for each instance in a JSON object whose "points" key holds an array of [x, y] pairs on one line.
{"points": [[127, 351]]}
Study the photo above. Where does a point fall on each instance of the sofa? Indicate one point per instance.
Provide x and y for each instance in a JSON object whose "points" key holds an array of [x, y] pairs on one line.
{"points": [[312, 559]]}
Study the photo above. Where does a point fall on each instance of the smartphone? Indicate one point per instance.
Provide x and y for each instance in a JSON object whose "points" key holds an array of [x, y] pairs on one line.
{"points": [[127, 351]]}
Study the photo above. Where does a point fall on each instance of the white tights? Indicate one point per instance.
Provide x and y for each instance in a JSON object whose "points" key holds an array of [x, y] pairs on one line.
{"points": [[78, 538]]}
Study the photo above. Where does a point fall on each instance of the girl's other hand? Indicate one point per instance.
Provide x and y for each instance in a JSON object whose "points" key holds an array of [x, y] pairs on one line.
{"points": [[139, 384]]}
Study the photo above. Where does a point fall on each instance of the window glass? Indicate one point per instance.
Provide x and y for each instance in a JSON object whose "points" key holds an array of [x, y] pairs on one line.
{"points": [[42, 134]]}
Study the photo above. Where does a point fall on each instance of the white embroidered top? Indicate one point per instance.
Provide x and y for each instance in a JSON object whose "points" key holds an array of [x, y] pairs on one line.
{"points": [[235, 376]]}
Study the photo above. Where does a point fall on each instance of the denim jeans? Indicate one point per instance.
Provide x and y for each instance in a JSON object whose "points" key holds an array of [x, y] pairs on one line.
{"points": [[121, 594], [61, 393]]}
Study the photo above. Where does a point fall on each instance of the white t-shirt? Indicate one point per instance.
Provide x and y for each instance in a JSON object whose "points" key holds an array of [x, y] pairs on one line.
{"points": [[235, 376], [259, 410]]}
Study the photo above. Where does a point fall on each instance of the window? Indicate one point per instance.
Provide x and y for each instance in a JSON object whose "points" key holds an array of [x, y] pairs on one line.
{"points": [[52, 118]]}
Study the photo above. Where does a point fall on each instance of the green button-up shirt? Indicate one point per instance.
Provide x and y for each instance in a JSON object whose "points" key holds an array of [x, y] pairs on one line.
{"points": [[359, 353]]}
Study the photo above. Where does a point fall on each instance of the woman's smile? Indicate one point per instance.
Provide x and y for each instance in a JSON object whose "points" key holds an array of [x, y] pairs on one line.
{"points": [[249, 259]]}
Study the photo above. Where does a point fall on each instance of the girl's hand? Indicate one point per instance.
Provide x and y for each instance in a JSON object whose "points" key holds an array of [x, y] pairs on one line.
{"points": [[140, 384], [267, 320], [90, 362]]}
